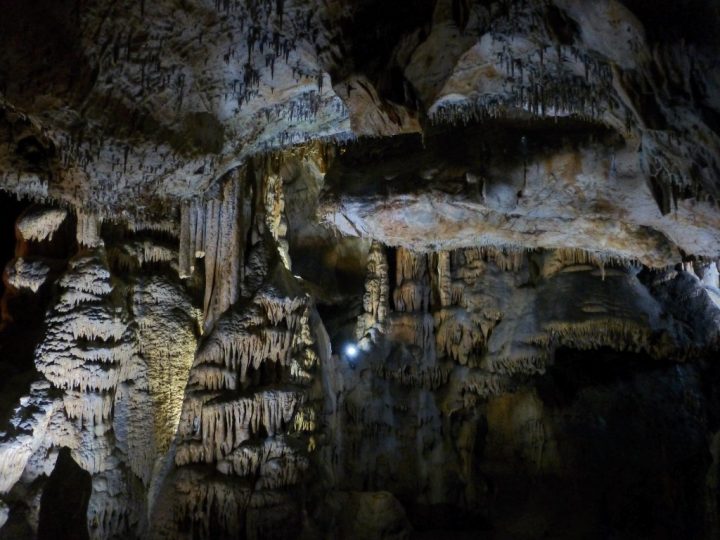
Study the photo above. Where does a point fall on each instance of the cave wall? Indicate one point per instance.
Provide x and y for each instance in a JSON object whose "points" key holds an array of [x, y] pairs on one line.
{"points": [[359, 269], [491, 399], [208, 392]]}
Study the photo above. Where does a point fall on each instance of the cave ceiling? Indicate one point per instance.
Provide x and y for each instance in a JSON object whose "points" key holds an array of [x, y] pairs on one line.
{"points": [[575, 123], [360, 269]]}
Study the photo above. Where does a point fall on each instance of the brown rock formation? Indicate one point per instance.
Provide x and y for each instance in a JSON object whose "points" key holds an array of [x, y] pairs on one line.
{"points": [[360, 269]]}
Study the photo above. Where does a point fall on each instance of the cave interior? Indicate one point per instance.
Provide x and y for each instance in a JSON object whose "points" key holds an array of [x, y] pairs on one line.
{"points": [[363, 270]]}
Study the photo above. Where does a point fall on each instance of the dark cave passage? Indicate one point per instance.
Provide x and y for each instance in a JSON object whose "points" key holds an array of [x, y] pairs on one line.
{"points": [[16, 344], [10, 209], [64, 503], [630, 437]]}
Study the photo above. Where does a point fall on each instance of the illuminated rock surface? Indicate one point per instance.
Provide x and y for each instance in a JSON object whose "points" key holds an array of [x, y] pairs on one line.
{"points": [[360, 269]]}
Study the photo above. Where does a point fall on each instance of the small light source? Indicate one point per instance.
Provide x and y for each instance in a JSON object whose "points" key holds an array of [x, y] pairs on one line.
{"points": [[351, 351]]}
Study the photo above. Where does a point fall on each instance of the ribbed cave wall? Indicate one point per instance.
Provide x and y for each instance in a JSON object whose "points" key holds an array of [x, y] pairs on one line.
{"points": [[282, 269], [201, 389], [492, 401]]}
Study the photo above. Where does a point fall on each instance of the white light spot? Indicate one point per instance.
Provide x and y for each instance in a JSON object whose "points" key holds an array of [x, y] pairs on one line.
{"points": [[351, 351]]}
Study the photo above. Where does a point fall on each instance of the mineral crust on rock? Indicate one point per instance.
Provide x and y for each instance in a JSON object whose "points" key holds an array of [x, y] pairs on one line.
{"points": [[281, 269]]}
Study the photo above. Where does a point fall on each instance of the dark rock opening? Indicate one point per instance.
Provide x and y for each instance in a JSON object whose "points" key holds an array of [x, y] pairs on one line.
{"points": [[64, 502]]}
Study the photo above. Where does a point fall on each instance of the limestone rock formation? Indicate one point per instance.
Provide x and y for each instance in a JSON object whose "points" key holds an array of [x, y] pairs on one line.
{"points": [[280, 269]]}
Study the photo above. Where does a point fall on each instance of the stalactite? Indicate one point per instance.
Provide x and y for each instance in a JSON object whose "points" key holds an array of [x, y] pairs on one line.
{"points": [[186, 250], [240, 343], [259, 433], [40, 223], [275, 215], [88, 408], [86, 340], [599, 332], [376, 297], [23, 274], [88, 229], [599, 259], [222, 235], [140, 224], [197, 229], [200, 495], [507, 258], [457, 334], [133, 255], [239, 416], [477, 385], [444, 279], [225, 426], [415, 329], [212, 223], [522, 362], [416, 376], [412, 292]]}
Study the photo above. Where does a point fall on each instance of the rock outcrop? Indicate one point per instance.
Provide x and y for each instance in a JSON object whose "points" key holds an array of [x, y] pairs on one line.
{"points": [[360, 269]]}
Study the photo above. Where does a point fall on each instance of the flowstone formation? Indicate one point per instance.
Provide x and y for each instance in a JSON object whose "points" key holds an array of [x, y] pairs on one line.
{"points": [[360, 269], [106, 362]]}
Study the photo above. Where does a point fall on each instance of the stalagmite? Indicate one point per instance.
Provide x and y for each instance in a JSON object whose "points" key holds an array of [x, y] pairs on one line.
{"points": [[243, 423], [502, 312], [90, 355], [28, 427]]}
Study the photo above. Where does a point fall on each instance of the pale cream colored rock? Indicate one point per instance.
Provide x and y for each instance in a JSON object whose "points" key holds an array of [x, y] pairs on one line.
{"points": [[565, 204], [275, 215], [40, 223], [27, 275], [213, 229], [4, 513], [88, 229], [213, 96], [370, 114], [376, 301], [167, 323], [493, 272], [231, 425], [27, 430]]}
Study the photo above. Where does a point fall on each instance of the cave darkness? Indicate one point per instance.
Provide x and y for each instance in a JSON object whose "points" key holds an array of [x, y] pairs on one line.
{"points": [[10, 210], [360, 270]]}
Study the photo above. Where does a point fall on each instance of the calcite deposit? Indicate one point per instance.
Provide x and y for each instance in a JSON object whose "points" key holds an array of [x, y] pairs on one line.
{"points": [[281, 269]]}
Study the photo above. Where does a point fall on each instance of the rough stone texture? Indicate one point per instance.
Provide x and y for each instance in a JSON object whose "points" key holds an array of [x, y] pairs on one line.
{"points": [[4, 512], [363, 515], [29, 275], [361, 269], [40, 223], [158, 96], [450, 195], [457, 407]]}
